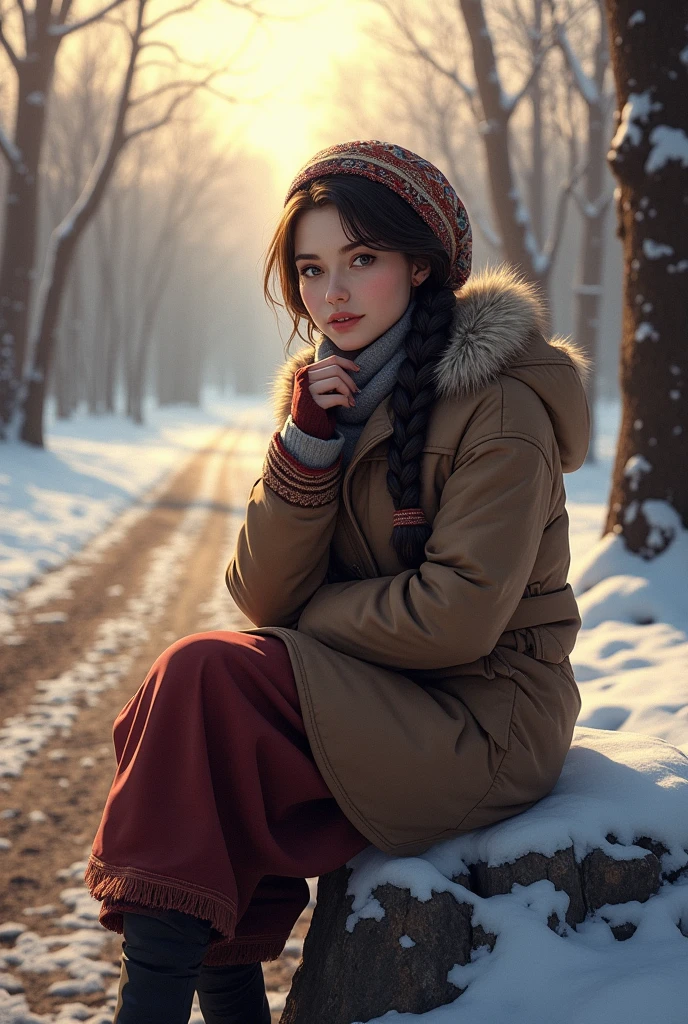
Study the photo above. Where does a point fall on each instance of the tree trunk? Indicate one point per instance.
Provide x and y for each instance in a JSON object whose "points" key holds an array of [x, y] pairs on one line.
{"points": [[649, 157], [67, 351], [60, 252], [19, 241], [513, 221], [536, 178], [589, 287]]}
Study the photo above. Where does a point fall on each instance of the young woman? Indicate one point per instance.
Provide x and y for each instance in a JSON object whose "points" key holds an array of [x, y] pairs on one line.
{"points": [[403, 557]]}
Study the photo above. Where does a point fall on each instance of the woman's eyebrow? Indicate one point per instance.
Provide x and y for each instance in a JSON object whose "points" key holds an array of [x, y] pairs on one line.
{"points": [[312, 255]]}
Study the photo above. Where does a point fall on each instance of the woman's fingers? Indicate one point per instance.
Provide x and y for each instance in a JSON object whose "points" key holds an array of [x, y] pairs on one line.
{"points": [[330, 384], [328, 401], [338, 360], [320, 388], [326, 374]]}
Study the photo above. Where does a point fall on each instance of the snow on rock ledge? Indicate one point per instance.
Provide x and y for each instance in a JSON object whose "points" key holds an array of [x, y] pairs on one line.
{"points": [[521, 920]]}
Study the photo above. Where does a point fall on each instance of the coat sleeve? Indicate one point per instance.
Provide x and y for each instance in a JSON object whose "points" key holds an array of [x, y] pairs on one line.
{"points": [[453, 608], [282, 550]]}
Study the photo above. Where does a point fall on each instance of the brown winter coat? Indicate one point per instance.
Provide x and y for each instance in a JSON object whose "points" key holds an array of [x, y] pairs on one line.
{"points": [[440, 699]]}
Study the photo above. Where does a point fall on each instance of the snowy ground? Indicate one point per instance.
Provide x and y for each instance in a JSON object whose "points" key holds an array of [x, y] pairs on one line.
{"points": [[631, 656], [54, 500], [631, 662]]}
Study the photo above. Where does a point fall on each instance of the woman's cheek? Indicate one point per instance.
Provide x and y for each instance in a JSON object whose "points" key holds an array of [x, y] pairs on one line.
{"points": [[308, 297], [383, 285]]}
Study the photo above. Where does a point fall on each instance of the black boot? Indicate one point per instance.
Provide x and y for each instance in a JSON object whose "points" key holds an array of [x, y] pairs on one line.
{"points": [[234, 994], [161, 963]]}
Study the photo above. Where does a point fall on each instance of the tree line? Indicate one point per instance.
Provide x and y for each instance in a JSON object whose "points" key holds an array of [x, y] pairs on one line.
{"points": [[536, 109]]}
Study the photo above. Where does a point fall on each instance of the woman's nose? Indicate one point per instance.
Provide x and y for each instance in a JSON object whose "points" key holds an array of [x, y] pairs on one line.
{"points": [[336, 291]]}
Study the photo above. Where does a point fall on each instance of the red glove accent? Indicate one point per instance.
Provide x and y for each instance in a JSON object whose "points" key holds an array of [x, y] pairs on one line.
{"points": [[305, 411]]}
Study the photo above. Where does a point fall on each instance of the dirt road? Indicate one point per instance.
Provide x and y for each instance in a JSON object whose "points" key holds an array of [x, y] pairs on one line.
{"points": [[157, 576]]}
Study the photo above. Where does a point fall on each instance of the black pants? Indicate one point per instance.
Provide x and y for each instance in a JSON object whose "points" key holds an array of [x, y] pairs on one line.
{"points": [[162, 967]]}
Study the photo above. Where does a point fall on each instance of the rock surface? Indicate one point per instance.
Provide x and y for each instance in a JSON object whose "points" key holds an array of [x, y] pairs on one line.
{"points": [[386, 932]]}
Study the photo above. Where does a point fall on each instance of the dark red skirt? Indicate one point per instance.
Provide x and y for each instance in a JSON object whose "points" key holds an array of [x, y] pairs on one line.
{"points": [[217, 808]]}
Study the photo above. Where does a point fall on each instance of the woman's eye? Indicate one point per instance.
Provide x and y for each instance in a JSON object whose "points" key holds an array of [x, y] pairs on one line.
{"points": [[304, 271], [364, 256]]}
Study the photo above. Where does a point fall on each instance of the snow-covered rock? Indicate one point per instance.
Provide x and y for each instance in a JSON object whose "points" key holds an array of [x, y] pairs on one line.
{"points": [[520, 921]]}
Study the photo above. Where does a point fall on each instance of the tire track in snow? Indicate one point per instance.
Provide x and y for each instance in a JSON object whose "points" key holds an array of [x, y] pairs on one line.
{"points": [[56, 702]]}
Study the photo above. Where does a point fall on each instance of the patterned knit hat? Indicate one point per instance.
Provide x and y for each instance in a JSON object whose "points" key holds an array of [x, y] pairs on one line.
{"points": [[416, 180]]}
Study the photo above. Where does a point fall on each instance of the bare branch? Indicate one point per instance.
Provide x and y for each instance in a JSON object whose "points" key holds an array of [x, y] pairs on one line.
{"points": [[7, 46], [182, 9], [161, 64], [165, 119], [567, 189], [22, 7], [511, 102], [162, 89], [586, 85], [184, 61], [595, 209], [250, 6], [188, 87], [426, 55], [60, 30], [223, 95], [63, 13]]}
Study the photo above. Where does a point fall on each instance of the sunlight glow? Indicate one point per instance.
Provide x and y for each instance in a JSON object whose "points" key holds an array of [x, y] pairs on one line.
{"points": [[283, 73]]}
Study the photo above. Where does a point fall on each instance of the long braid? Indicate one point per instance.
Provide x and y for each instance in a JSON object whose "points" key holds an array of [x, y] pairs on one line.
{"points": [[412, 400]]}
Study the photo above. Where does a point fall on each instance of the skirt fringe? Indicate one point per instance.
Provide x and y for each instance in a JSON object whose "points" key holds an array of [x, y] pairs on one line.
{"points": [[121, 886]]}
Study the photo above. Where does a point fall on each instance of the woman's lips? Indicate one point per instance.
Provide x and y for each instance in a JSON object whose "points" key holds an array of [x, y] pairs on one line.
{"points": [[345, 325]]}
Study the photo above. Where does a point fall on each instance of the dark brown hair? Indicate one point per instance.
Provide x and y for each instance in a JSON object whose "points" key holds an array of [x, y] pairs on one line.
{"points": [[374, 215]]}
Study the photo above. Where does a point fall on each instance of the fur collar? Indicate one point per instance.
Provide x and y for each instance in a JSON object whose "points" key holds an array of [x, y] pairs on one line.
{"points": [[498, 316]]}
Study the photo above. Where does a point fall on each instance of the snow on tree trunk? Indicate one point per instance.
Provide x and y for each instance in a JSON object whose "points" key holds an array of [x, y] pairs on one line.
{"points": [[19, 235], [649, 158]]}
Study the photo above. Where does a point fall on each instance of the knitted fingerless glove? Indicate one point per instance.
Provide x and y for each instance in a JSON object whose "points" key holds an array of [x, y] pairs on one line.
{"points": [[305, 411]]}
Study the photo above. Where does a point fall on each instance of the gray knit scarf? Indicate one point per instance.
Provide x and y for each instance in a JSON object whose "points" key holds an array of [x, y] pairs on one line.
{"points": [[379, 362]]}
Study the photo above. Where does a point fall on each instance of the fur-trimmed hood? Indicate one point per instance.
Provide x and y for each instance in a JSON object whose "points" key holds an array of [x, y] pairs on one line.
{"points": [[500, 326]]}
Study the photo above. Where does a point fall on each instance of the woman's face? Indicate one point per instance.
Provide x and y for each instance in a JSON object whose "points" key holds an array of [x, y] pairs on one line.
{"points": [[340, 278]]}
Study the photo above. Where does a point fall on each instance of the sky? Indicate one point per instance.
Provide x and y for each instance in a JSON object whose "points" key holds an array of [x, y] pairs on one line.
{"points": [[284, 71]]}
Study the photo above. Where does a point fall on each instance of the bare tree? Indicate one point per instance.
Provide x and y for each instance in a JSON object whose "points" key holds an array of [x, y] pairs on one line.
{"points": [[188, 183], [78, 109], [544, 145], [137, 112], [593, 197], [516, 226], [649, 157]]}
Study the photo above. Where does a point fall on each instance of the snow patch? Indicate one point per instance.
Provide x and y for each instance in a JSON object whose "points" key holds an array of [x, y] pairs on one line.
{"points": [[635, 111], [634, 469], [628, 784], [667, 144], [655, 250], [644, 331], [615, 584]]}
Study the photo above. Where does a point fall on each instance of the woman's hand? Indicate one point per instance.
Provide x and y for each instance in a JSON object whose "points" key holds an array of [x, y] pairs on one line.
{"points": [[318, 388]]}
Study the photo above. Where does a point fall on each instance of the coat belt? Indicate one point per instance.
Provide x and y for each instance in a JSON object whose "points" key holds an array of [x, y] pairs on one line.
{"points": [[543, 609]]}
